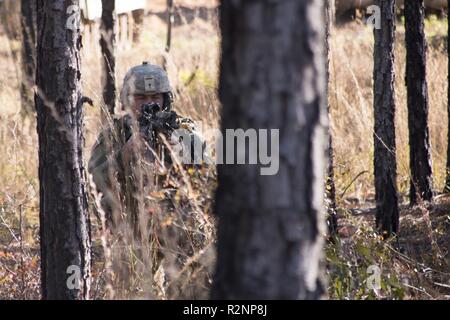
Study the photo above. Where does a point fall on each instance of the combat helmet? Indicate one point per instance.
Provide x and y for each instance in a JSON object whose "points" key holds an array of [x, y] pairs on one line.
{"points": [[146, 79]]}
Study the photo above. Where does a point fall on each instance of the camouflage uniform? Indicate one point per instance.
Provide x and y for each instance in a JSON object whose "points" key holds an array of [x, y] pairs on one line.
{"points": [[127, 182], [113, 177]]}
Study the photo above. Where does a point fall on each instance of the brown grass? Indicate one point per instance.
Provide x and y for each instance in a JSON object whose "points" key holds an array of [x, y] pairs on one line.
{"points": [[194, 55]]}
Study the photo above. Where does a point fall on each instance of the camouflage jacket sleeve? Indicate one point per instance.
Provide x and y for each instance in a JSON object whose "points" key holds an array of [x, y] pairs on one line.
{"points": [[99, 162], [103, 165]]}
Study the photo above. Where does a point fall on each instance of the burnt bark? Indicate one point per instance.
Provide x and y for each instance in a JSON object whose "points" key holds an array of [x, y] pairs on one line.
{"points": [[170, 12], [64, 221], [10, 19], [138, 23], [385, 165], [447, 179], [270, 232], [28, 25], [170, 9], [417, 92], [108, 47], [330, 190]]}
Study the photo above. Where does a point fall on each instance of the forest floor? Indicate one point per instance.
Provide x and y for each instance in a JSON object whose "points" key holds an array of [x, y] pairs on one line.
{"points": [[416, 266]]}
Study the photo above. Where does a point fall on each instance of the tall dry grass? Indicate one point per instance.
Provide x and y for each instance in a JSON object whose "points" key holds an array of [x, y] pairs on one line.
{"points": [[185, 269], [351, 98], [193, 70]]}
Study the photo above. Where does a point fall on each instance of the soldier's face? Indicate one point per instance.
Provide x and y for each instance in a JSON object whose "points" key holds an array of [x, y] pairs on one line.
{"points": [[140, 99]]}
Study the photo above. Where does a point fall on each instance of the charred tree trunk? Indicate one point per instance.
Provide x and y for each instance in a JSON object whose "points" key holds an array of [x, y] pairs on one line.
{"points": [[169, 24], [10, 19], [138, 22], [419, 140], [108, 46], [10, 25], [385, 165], [330, 186], [28, 23], [169, 32], [270, 229], [447, 180], [64, 222]]}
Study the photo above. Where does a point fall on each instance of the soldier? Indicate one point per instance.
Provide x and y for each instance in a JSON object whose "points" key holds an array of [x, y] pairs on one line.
{"points": [[124, 160], [129, 162]]}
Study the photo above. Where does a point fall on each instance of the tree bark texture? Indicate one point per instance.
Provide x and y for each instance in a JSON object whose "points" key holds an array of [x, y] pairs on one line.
{"points": [[385, 165], [270, 233], [108, 47], [28, 24], [417, 92], [64, 222]]}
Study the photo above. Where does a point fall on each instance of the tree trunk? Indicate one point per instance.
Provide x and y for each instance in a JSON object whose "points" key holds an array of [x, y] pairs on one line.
{"points": [[447, 180], [170, 9], [28, 23], [385, 165], [10, 19], [330, 186], [108, 46], [64, 221], [138, 23], [270, 232], [419, 141]]}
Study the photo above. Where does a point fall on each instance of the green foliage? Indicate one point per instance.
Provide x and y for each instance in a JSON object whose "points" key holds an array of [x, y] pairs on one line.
{"points": [[349, 261]]}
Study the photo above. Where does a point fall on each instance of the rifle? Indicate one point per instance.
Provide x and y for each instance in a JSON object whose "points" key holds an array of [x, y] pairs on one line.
{"points": [[153, 121]]}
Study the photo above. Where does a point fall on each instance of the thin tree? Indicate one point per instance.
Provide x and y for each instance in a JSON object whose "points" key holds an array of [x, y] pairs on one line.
{"points": [[10, 19], [10, 25], [64, 223], [270, 232], [138, 23], [108, 47], [419, 140], [330, 185], [28, 25], [170, 11], [385, 165], [447, 180]]}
